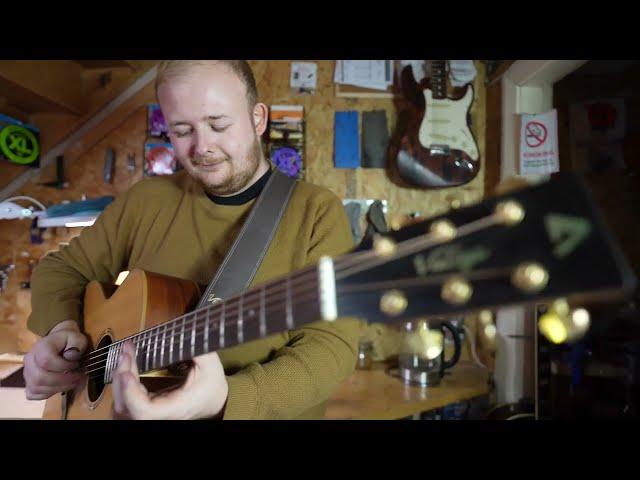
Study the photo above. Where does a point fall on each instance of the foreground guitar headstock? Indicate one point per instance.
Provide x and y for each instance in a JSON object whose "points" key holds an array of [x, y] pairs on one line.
{"points": [[538, 244]]}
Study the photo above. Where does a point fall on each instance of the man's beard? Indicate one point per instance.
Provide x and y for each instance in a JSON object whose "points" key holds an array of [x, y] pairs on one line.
{"points": [[238, 179]]}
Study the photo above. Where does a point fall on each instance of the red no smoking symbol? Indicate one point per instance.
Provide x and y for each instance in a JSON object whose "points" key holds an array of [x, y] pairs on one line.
{"points": [[536, 134]]}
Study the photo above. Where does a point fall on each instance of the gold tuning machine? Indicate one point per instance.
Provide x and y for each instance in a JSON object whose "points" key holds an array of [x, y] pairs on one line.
{"points": [[443, 230], [562, 324], [384, 246], [393, 303], [456, 290], [530, 277], [509, 212]]}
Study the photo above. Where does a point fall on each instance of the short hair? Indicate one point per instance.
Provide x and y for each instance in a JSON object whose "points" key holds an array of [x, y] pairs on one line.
{"points": [[168, 69]]}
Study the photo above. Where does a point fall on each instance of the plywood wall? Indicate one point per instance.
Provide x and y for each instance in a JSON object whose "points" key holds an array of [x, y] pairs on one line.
{"points": [[126, 133], [273, 83]]}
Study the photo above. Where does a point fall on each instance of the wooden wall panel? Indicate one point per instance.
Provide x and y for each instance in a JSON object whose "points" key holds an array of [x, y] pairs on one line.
{"points": [[126, 132]]}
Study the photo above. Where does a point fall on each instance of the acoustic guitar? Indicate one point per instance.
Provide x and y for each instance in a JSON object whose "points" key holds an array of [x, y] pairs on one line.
{"points": [[535, 245]]}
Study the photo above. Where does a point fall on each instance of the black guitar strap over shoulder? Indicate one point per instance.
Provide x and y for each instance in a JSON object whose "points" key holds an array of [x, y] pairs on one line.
{"points": [[247, 252]]}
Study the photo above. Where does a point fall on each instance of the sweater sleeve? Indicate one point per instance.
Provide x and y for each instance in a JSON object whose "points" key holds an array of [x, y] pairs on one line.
{"points": [[318, 356], [98, 253]]}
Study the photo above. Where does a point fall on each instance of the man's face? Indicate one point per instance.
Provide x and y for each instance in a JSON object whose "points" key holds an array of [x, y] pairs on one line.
{"points": [[215, 136]]}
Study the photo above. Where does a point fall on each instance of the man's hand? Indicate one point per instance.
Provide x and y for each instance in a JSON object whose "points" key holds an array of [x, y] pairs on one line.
{"points": [[203, 395], [49, 366]]}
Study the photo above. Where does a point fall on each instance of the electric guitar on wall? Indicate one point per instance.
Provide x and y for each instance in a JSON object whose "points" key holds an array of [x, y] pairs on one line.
{"points": [[535, 245], [437, 149]]}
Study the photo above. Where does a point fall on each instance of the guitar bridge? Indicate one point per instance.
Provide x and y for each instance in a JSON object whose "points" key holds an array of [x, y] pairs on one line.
{"points": [[440, 150]]}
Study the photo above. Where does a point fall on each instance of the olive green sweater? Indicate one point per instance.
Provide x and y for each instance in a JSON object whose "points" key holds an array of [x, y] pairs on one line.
{"points": [[168, 225]]}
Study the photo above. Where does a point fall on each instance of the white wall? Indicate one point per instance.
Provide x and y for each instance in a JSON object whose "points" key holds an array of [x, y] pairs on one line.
{"points": [[527, 87]]}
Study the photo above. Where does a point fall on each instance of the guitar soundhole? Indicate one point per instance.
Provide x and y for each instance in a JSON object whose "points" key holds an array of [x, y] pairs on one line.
{"points": [[95, 385]]}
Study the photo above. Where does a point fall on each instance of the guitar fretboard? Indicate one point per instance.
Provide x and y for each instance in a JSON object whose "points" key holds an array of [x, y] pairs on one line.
{"points": [[272, 308], [439, 78]]}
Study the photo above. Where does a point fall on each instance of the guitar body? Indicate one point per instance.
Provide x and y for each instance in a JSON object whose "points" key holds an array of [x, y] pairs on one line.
{"points": [[437, 149], [142, 301], [445, 123]]}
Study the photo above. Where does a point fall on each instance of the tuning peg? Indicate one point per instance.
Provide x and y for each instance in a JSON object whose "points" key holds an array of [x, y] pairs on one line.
{"points": [[443, 230], [397, 222], [562, 324], [456, 290], [530, 277], [510, 212], [393, 302], [384, 246]]}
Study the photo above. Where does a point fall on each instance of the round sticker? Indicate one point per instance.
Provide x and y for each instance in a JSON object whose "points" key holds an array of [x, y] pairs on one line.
{"points": [[287, 160], [19, 145]]}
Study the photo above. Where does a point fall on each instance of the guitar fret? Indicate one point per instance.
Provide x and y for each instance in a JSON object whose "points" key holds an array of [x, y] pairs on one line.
{"points": [[148, 341], [118, 349], [193, 338], [172, 339], [136, 342], [206, 331], [240, 321], [182, 340], [289, 314], [141, 365], [155, 349], [164, 335], [263, 317], [221, 341]]}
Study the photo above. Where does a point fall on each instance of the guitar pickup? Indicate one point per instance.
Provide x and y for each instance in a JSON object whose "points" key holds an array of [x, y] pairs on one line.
{"points": [[437, 150]]}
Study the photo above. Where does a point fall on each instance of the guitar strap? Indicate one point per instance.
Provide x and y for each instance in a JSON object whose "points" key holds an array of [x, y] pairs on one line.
{"points": [[248, 250]]}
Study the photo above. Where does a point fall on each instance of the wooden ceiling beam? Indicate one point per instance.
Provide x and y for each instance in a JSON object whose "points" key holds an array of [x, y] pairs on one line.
{"points": [[43, 85]]}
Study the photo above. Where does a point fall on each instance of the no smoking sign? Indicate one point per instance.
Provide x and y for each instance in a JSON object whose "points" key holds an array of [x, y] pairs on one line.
{"points": [[536, 134], [539, 144]]}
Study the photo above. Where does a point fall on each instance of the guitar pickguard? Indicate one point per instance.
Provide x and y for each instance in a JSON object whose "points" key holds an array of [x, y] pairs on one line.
{"points": [[445, 124]]}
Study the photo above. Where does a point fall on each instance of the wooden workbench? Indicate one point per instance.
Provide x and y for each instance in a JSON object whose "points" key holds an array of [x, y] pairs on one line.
{"points": [[375, 395]]}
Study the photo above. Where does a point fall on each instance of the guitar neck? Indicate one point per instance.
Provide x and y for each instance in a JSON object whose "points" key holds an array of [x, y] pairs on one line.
{"points": [[439, 78], [542, 243], [274, 307]]}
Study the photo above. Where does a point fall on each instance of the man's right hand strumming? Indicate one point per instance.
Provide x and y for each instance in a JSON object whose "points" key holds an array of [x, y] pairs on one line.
{"points": [[50, 367]]}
